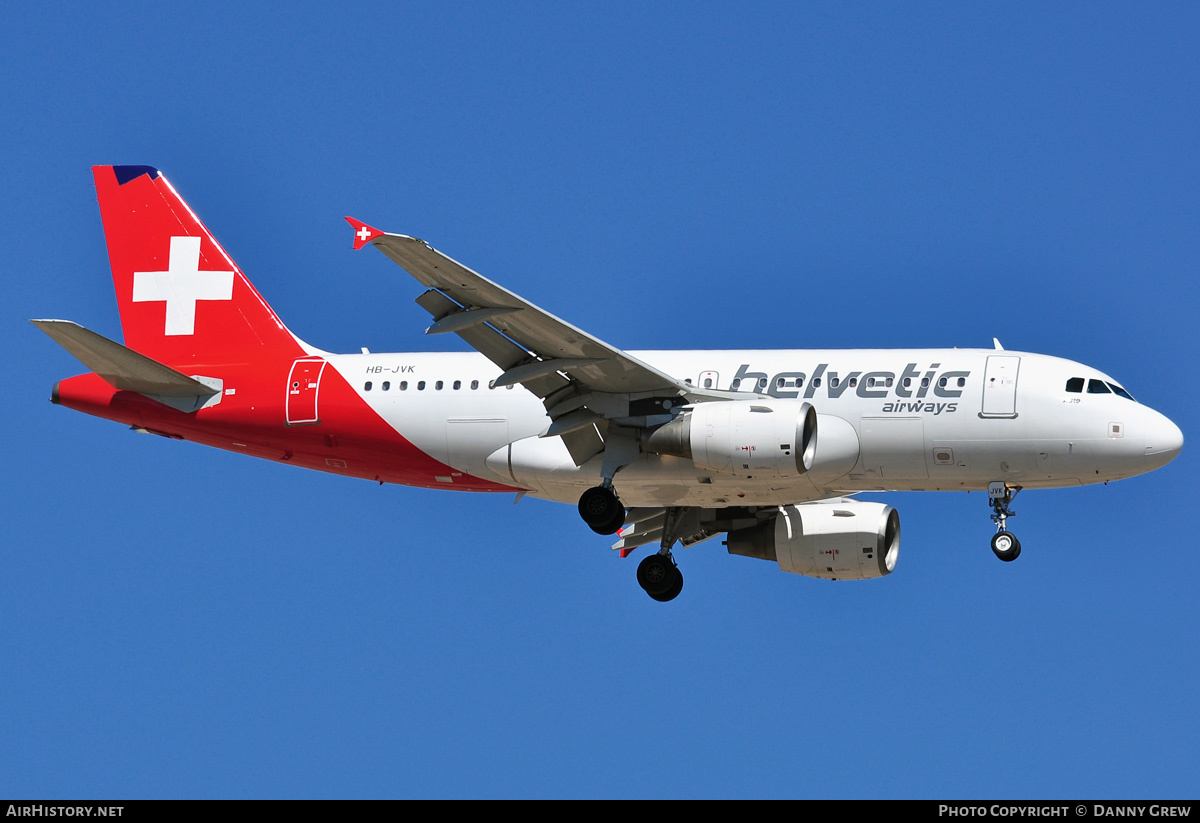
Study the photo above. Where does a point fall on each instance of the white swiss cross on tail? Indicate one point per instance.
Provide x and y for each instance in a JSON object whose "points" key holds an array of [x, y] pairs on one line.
{"points": [[181, 285], [363, 234]]}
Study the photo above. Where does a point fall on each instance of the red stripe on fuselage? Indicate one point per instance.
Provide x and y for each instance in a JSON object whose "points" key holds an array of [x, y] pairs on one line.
{"points": [[350, 439]]}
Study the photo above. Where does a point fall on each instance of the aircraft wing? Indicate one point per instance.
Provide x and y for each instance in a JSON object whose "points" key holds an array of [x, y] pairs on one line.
{"points": [[562, 364], [546, 338]]}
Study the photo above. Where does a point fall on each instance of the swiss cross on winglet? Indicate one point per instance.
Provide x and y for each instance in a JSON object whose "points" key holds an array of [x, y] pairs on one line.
{"points": [[363, 234]]}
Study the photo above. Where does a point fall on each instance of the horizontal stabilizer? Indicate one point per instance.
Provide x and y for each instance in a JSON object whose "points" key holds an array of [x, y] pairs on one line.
{"points": [[122, 367]]}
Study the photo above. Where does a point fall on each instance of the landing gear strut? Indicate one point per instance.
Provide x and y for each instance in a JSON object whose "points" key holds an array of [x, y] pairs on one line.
{"points": [[599, 506], [602, 510], [657, 574], [1005, 545]]}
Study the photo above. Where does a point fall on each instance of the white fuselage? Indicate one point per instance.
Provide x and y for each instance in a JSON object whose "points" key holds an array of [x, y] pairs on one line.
{"points": [[924, 419]]}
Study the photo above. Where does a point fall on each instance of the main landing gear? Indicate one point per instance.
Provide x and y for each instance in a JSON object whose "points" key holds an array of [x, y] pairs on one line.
{"points": [[1005, 545], [601, 509], [657, 574], [660, 577]]}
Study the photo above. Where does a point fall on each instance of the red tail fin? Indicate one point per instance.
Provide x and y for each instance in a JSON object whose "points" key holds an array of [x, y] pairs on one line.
{"points": [[182, 298]]}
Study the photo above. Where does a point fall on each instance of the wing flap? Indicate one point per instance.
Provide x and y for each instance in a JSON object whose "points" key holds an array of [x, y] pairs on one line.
{"points": [[689, 525], [582, 443], [491, 344]]}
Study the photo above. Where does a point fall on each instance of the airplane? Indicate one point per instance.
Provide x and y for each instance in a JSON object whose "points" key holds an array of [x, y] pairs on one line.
{"points": [[661, 448]]}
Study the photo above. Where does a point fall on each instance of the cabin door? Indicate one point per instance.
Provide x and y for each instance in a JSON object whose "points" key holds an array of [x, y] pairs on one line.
{"points": [[304, 382]]}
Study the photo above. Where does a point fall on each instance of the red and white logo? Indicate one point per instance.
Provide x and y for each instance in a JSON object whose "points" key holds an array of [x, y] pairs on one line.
{"points": [[181, 285], [363, 233]]}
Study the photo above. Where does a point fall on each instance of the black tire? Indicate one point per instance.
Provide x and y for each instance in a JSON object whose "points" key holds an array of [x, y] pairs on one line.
{"points": [[1006, 546], [613, 526], [600, 509], [673, 592], [656, 574]]}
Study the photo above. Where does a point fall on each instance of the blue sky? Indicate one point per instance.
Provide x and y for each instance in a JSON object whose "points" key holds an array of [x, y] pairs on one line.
{"points": [[185, 622]]}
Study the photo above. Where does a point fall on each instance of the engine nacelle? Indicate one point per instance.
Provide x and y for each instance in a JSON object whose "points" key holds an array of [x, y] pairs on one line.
{"points": [[744, 438], [835, 540], [837, 452]]}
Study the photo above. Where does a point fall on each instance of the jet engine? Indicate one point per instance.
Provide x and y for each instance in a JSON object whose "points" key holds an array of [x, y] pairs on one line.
{"points": [[745, 438], [833, 539]]}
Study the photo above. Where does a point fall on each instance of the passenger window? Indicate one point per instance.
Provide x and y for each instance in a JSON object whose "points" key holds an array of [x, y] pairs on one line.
{"points": [[762, 382], [438, 385], [833, 381], [853, 382], [386, 385], [924, 382], [367, 386], [907, 382], [421, 385], [962, 381], [816, 381], [457, 385], [707, 382], [737, 384], [474, 385], [1097, 387], [1075, 384], [403, 385], [888, 382], [941, 382]]}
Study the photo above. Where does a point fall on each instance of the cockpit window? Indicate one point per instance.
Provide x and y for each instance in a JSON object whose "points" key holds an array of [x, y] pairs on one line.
{"points": [[1075, 384], [1098, 387], [1120, 391]]}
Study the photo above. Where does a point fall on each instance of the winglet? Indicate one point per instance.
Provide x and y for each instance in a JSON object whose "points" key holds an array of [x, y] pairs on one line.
{"points": [[363, 234]]}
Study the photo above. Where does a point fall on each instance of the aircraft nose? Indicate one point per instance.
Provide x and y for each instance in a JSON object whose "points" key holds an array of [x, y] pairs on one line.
{"points": [[1164, 441]]}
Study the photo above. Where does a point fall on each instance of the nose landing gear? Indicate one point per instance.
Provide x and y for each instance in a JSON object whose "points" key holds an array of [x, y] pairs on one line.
{"points": [[1005, 545]]}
